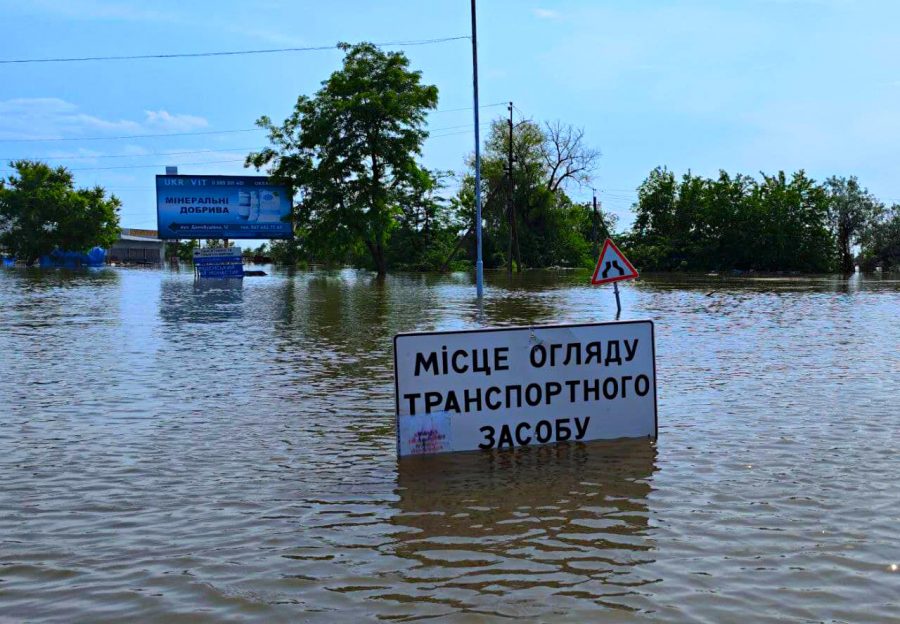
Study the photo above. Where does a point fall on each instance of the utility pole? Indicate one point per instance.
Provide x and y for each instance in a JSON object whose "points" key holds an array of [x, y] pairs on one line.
{"points": [[479, 264], [511, 204], [594, 232], [510, 216]]}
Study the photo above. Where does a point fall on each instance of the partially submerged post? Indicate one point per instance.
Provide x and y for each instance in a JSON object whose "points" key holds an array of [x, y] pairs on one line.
{"points": [[479, 264]]}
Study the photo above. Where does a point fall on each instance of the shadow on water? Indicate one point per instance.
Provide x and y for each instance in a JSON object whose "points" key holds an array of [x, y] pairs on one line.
{"points": [[570, 520]]}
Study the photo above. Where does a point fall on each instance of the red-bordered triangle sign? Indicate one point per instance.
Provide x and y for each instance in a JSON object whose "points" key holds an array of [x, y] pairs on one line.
{"points": [[612, 266]]}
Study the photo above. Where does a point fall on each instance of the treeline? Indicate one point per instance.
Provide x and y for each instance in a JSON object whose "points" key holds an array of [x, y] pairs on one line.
{"points": [[351, 153], [528, 221], [776, 223]]}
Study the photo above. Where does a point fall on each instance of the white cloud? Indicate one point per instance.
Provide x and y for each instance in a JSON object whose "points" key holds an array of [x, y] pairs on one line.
{"points": [[55, 118], [546, 13], [164, 120], [269, 35]]}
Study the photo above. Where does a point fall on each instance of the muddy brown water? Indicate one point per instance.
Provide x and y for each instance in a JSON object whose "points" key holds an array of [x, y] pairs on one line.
{"points": [[174, 452]]}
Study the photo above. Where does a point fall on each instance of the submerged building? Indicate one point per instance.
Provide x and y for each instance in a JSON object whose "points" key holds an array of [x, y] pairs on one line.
{"points": [[137, 246]]}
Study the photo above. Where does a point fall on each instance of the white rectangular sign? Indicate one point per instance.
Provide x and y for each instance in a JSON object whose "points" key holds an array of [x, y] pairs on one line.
{"points": [[518, 386], [217, 252]]}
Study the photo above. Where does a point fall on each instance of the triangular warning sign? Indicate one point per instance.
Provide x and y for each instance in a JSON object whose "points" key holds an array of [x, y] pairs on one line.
{"points": [[612, 266]]}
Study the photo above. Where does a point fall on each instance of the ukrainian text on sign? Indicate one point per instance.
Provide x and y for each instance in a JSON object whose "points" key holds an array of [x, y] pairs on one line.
{"points": [[509, 387]]}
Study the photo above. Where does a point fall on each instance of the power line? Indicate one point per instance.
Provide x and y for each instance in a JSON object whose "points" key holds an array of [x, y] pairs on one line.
{"points": [[461, 132], [202, 133], [134, 57], [208, 162], [468, 125], [99, 156], [132, 136], [468, 108], [203, 151]]}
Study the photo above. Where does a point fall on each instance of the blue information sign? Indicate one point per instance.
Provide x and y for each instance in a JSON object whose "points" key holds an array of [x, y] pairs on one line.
{"points": [[222, 207], [219, 263]]}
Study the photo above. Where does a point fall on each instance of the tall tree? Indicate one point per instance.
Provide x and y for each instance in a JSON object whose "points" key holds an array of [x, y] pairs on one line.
{"points": [[351, 152], [549, 225], [880, 241], [851, 211], [40, 211]]}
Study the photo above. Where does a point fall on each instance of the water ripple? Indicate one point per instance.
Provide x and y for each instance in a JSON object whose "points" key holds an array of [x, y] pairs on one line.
{"points": [[170, 452]]}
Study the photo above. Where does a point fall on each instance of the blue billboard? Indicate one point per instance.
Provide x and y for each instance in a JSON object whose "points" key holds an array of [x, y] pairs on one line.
{"points": [[216, 206]]}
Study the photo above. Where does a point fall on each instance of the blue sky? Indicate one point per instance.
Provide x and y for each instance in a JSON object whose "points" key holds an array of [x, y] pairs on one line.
{"points": [[746, 86]]}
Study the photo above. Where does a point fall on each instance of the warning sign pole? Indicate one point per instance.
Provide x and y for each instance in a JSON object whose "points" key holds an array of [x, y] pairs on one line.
{"points": [[618, 302]]}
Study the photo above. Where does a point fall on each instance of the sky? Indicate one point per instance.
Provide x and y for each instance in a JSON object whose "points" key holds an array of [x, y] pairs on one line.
{"points": [[700, 85]]}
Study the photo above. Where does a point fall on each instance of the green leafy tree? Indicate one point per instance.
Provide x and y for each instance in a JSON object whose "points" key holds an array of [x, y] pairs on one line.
{"points": [[650, 245], [249, 253], [40, 211], [182, 251], [880, 242], [549, 229], [427, 228], [350, 151], [213, 243], [287, 252], [775, 224], [851, 211]]}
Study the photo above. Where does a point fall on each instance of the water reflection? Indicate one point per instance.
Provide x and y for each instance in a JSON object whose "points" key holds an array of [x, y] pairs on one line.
{"points": [[201, 301], [170, 448], [511, 529]]}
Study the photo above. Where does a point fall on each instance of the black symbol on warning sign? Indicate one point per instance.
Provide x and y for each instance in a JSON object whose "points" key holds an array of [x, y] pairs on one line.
{"points": [[609, 265]]}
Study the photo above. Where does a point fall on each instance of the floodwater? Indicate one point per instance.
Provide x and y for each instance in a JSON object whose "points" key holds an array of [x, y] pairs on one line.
{"points": [[173, 452]]}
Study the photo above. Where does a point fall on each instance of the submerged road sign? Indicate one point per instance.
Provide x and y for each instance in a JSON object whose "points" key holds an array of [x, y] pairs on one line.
{"points": [[219, 262], [612, 266], [519, 386]]}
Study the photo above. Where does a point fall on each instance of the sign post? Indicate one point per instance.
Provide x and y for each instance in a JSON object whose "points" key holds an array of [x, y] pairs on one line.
{"points": [[520, 386], [613, 267]]}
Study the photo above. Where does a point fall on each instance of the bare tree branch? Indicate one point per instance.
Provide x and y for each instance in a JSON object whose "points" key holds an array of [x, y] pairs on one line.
{"points": [[566, 156]]}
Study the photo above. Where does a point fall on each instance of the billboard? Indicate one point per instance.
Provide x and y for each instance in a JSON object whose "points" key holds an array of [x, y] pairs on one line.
{"points": [[216, 206], [519, 386]]}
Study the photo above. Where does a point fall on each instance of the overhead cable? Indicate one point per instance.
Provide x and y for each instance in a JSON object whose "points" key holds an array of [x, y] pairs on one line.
{"points": [[201, 133], [134, 57]]}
